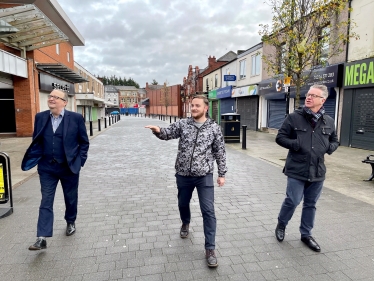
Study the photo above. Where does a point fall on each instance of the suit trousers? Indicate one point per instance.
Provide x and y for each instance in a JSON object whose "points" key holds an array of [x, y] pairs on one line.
{"points": [[50, 173], [296, 190], [205, 191]]}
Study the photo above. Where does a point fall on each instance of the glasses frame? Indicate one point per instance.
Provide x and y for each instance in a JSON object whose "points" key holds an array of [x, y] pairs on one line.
{"points": [[55, 97], [313, 96]]}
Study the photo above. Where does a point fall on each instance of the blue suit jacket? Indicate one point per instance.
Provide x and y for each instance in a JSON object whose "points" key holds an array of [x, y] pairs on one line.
{"points": [[75, 141]]}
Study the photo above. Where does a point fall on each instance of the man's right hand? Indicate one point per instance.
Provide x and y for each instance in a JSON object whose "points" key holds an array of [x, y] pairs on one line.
{"points": [[154, 129]]}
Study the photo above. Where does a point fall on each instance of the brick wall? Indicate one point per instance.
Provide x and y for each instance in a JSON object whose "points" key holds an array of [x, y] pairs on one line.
{"points": [[26, 100], [49, 55]]}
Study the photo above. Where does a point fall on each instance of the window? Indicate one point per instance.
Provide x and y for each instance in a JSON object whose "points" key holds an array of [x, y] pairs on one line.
{"points": [[58, 49], [207, 83], [323, 42], [256, 65], [242, 69], [68, 57], [216, 81]]}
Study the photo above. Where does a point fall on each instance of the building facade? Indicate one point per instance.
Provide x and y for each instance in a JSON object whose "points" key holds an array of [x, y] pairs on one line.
{"points": [[32, 65]]}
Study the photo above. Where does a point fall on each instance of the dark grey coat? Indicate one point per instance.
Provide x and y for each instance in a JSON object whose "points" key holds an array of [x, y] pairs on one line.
{"points": [[307, 146]]}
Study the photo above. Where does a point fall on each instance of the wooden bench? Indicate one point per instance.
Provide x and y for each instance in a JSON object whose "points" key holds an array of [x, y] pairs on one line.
{"points": [[371, 162]]}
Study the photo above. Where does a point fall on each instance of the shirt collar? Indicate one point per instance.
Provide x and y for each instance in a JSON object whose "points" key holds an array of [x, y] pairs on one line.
{"points": [[61, 113]]}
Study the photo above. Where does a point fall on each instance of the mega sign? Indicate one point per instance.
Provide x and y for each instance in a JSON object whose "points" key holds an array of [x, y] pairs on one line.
{"points": [[359, 74]]}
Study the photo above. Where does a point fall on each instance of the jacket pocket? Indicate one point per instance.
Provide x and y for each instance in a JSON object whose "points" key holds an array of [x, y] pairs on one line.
{"points": [[321, 170], [297, 164]]}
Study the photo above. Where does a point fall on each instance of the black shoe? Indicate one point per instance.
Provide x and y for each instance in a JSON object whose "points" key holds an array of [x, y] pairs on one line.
{"points": [[311, 243], [70, 229], [211, 258], [39, 244], [280, 232], [184, 230]]}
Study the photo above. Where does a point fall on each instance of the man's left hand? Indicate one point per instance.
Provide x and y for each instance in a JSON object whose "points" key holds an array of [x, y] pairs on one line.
{"points": [[221, 181]]}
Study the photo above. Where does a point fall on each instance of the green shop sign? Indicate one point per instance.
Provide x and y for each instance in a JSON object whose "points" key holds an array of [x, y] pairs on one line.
{"points": [[359, 74], [212, 95]]}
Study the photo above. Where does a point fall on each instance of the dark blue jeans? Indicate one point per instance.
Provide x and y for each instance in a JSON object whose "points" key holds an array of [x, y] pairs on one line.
{"points": [[49, 175], [296, 190], [205, 191]]}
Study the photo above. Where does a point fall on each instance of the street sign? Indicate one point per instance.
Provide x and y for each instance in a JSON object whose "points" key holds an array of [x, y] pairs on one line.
{"points": [[229, 77]]}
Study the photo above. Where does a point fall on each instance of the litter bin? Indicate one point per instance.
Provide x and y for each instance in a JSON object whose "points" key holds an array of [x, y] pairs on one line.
{"points": [[230, 125], [5, 186]]}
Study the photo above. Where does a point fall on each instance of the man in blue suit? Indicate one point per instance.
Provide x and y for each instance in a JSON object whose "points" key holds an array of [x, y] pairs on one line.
{"points": [[59, 148]]}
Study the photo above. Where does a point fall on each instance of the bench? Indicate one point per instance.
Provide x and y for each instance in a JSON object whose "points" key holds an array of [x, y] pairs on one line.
{"points": [[371, 162]]}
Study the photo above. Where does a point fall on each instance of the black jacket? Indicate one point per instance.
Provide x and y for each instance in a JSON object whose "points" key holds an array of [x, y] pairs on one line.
{"points": [[307, 146]]}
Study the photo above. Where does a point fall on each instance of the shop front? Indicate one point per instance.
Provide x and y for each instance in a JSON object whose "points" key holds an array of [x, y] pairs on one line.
{"points": [[247, 105], [214, 112], [226, 103], [273, 94], [357, 128]]}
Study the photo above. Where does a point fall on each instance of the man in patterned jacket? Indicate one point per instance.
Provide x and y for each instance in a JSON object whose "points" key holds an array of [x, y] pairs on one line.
{"points": [[200, 143]]}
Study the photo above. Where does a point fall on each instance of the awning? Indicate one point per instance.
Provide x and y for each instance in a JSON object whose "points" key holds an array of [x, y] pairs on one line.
{"points": [[26, 26], [145, 101], [61, 71]]}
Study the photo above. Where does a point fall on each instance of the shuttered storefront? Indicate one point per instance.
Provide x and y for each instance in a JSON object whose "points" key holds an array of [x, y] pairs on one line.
{"points": [[248, 110], [362, 129], [215, 111], [276, 113], [329, 105]]}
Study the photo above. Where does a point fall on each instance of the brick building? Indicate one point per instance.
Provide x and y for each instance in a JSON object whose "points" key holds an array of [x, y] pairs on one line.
{"points": [[164, 100], [36, 56]]}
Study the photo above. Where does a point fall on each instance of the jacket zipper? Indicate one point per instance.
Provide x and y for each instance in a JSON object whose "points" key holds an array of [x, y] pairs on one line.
{"points": [[194, 145]]}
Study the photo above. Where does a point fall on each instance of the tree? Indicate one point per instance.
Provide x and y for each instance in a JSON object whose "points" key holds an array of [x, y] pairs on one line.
{"points": [[305, 34], [165, 97], [154, 82]]}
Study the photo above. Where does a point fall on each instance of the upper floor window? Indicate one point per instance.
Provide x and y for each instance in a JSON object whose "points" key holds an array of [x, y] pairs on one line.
{"points": [[207, 82], [68, 57], [323, 42], [242, 71], [256, 65], [216, 81], [58, 49]]}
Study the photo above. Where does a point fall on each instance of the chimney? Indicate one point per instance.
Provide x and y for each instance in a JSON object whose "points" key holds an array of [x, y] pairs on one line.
{"points": [[211, 61]]}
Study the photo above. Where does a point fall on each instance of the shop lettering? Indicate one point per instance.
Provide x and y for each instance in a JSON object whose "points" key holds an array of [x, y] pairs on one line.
{"points": [[359, 74], [64, 88]]}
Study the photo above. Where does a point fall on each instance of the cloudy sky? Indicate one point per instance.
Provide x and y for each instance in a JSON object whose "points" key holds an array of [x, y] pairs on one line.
{"points": [[159, 39]]}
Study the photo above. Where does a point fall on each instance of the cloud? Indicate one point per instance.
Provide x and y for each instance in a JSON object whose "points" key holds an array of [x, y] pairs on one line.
{"points": [[149, 40]]}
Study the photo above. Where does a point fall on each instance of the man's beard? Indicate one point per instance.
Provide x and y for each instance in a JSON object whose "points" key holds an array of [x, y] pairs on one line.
{"points": [[199, 115]]}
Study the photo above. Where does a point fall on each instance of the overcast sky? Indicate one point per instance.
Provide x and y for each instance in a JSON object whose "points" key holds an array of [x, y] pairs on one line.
{"points": [[159, 39]]}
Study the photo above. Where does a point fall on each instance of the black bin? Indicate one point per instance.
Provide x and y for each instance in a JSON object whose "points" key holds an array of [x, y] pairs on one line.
{"points": [[230, 125]]}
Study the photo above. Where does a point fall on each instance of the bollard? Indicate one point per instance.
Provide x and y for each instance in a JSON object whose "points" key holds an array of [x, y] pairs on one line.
{"points": [[175, 118], [170, 119], [112, 120], [91, 130], [163, 117], [98, 125], [244, 137], [5, 186], [105, 122], [119, 117], [109, 120]]}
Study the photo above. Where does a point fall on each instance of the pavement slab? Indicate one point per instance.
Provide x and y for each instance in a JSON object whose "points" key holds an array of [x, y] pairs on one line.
{"points": [[128, 222]]}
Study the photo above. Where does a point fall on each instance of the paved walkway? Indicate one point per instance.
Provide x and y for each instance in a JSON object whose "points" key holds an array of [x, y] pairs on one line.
{"points": [[128, 222]]}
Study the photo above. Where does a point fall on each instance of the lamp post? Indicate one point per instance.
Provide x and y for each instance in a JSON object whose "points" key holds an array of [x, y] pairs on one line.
{"points": [[207, 96]]}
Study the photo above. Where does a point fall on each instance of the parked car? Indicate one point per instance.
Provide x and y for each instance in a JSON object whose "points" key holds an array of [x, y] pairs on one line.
{"points": [[114, 113]]}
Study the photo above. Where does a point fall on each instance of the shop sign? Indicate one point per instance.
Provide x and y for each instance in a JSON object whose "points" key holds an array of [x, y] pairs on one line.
{"points": [[229, 77], [359, 74], [328, 76], [49, 83], [244, 91], [224, 92]]}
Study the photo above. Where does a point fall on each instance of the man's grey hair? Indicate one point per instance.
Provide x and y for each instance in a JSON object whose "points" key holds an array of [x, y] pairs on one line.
{"points": [[66, 96], [323, 88]]}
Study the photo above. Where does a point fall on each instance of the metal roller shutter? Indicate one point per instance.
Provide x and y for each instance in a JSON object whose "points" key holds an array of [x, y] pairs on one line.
{"points": [[248, 110], [227, 105], [276, 113]]}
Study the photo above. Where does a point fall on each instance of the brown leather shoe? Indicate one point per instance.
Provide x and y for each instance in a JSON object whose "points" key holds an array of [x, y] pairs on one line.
{"points": [[211, 258], [38, 245], [185, 230]]}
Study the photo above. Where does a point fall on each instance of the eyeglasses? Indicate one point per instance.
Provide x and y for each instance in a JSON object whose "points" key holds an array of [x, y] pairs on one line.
{"points": [[55, 97], [313, 96]]}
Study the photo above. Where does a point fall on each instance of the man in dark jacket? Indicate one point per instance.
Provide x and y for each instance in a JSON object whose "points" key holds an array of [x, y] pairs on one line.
{"points": [[59, 148], [308, 134], [200, 143]]}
